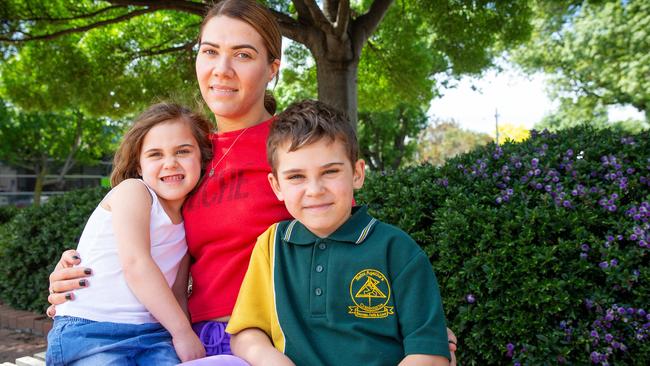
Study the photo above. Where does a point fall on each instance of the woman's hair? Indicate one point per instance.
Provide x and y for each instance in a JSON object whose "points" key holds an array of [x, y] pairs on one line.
{"points": [[127, 158], [261, 19]]}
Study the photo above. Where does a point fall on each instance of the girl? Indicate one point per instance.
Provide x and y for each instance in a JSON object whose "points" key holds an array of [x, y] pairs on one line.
{"points": [[135, 311]]}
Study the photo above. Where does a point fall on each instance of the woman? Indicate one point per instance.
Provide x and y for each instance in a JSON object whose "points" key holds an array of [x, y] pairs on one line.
{"points": [[239, 54]]}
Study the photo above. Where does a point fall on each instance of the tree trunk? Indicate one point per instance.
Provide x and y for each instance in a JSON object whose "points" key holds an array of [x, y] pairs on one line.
{"points": [[337, 85], [40, 171]]}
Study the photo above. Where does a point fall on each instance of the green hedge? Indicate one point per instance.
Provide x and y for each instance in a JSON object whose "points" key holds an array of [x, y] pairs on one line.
{"points": [[32, 242], [540, 248]]}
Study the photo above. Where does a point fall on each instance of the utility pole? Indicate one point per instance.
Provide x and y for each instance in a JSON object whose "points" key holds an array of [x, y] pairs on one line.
{"points": [[496, 121]]}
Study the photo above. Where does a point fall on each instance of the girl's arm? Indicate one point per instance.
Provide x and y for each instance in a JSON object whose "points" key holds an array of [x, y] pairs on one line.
{"points": [[255, 347], [130, 204], [424, 360]]}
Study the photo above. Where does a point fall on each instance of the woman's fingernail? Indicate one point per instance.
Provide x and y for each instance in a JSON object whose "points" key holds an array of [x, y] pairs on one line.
{"points": [[75, 257], [68, 296], [83, 283], [88, 271]]}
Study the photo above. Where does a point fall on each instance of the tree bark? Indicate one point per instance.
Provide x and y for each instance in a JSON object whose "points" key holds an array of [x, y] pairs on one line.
{"points": [[337, 85]]}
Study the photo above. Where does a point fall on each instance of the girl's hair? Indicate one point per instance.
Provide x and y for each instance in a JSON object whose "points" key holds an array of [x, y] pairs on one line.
{"points": [[262, 20], [127, 158]]}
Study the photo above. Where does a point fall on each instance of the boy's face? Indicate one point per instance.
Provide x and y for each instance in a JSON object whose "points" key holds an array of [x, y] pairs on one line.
{"points": [[316, 183]]}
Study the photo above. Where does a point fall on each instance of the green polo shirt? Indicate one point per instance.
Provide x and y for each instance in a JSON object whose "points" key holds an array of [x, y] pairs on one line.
{"points": [[365, 295]]}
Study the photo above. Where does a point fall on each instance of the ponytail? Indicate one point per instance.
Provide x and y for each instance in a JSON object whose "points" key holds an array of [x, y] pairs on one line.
{"points": [[269, 102]]}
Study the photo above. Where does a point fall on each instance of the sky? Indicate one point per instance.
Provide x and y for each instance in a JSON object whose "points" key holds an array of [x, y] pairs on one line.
{"points": [[519, 99]]}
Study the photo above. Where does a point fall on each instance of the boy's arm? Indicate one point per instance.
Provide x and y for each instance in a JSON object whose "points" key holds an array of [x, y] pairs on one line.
{"points": [[424, 360], [180, 285], [419, 308], [255, 347], [130, 205]]}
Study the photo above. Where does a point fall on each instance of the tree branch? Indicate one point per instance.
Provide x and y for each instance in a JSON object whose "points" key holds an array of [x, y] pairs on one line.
{"points": [[315, 14], [82, 16], [118, 19], [186, 6], [342, 18], [290, 27], [366, 24]]}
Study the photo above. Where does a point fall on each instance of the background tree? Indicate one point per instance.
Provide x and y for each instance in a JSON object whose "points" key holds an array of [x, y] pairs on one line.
{"points": [[335, 32], [598, 53], [52, 143], [443, 140]]}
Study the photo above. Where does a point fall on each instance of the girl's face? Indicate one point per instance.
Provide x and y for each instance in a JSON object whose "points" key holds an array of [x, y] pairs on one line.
{"points": [[170, 162], [233, 69]]}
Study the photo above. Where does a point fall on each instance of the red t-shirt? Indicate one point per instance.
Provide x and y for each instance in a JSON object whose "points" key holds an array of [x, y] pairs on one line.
{"points": [[224, 217]]}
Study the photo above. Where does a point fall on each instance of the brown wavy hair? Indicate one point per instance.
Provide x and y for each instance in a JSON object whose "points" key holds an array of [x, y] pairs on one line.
{"points": [[306, 122], [262, 20], [127, 157]]}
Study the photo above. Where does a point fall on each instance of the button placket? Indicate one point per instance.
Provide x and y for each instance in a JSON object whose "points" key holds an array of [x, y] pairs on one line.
{"points": [[319, 277]]}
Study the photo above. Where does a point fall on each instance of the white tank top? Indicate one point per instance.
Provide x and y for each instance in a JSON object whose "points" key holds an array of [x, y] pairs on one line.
{"points": [[108, 297]]}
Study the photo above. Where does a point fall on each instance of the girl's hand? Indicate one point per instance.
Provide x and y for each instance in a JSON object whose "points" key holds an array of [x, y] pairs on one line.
{"points": [[188, 346], [66, 278]]}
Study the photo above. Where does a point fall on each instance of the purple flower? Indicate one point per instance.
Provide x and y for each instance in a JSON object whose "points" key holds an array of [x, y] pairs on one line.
{"points": [[641, 312], [608, 337], [470, 298], [594, 334], [613, 262], [585, 247], [510, 347], [566, 204], [621, 311], [603, 265], [595, 357], [583, 255]]}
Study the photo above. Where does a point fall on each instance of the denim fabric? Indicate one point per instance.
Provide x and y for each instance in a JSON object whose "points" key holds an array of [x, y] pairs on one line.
{"points": [[77, 341], [214, 337]]}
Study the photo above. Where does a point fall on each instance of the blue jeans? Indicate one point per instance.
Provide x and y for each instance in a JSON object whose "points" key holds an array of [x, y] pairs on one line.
{"points": [[77, 341]]}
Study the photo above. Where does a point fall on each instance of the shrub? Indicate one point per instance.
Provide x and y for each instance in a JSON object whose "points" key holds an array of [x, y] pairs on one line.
{"points": [[32, 242], [540, 247], [7, 213]]}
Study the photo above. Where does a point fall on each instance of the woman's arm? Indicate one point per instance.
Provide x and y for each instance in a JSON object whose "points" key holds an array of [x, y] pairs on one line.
{"points": [[130, 204], [255, 347], [180, 285]]}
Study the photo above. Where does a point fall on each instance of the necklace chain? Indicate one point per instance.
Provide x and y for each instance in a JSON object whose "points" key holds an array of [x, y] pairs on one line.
{"points": [[214, 165]]}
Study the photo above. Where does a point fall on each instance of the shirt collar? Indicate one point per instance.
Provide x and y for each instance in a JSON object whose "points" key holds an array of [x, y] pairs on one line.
{"points": [[354, 231]]}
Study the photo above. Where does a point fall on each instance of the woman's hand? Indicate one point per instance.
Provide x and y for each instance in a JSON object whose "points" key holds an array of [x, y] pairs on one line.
{"points": [[453, 346], [66, 278]]}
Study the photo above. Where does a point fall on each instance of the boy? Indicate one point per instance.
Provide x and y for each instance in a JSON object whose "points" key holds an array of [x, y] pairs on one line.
{"points": [[334, 286]]}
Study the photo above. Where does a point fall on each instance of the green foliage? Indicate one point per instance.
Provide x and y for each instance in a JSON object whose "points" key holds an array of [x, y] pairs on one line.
{"points": [[32, 242], [110, 71], [446, 139], [541, 248], [597, 51], [7, 213], [384, 135]]}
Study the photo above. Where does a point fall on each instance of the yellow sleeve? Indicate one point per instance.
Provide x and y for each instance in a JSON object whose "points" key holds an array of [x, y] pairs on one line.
{"points": [[255, 306]]}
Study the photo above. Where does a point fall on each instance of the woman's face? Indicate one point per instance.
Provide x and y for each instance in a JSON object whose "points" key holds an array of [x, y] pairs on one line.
{"points": [[233, 69]]}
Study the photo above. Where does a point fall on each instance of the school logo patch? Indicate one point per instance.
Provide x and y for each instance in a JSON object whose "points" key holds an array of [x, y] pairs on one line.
{"points": [[370, 292]]}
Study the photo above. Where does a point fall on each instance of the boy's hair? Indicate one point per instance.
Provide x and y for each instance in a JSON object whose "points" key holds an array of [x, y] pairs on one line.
{"points": [[306, 122], [127, 157]]}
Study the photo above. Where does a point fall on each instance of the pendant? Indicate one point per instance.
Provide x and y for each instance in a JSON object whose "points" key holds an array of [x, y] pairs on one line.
{"points": [[211, 172]]}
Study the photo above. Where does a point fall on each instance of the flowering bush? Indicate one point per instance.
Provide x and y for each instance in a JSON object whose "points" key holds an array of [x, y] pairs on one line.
{"points": [[541, 247]]}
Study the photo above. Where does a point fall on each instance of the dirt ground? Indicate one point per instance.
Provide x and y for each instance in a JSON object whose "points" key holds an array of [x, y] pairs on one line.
{"points": [[14, 344]]}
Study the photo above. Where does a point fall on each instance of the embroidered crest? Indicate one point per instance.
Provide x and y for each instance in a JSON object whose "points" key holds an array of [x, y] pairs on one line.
{"points": [[370, 292]]}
